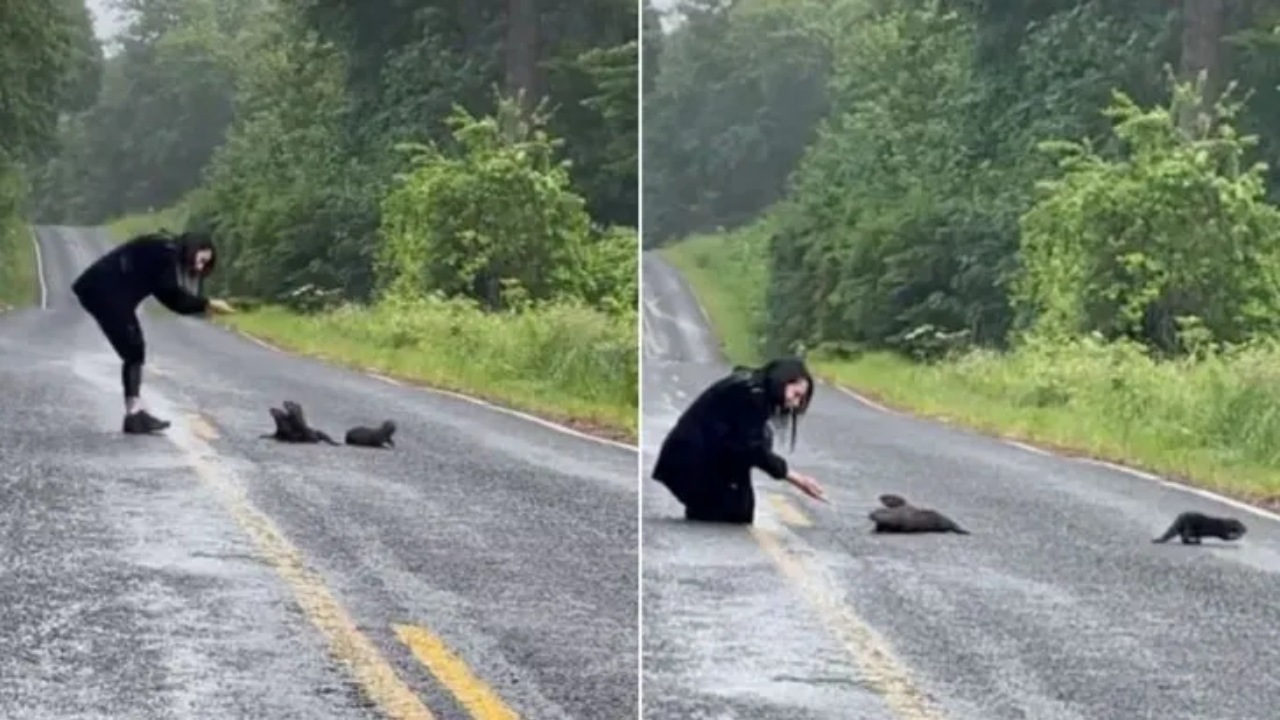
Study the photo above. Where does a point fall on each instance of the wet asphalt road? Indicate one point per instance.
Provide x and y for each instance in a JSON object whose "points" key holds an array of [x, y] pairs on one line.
{"points": [[1058, 607], [136, 581]]}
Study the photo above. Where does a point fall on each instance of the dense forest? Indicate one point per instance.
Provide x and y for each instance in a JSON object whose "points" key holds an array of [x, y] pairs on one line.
{"points": [[436, 156], [925, 174], [280, 124], [50, 67], [1052, 220]]}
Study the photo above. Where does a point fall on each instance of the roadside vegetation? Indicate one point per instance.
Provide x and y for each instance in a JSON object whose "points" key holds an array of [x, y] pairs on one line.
{"points": [[439, 193], [50, 65], [18, 281], [1055, 222]]}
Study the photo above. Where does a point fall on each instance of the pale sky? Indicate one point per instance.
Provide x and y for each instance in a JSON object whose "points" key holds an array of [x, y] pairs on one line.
{"points": [[105, 22], [665, 6]]}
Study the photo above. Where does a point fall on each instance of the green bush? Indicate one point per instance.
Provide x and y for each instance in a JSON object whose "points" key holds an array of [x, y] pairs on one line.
{"points": [[496, 221], [1177, 227]]}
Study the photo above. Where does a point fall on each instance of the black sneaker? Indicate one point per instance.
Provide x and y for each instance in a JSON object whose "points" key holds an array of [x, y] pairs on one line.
{"points": [[142, 423]]}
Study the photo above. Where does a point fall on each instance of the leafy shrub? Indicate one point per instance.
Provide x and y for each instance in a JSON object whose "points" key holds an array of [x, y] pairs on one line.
{"points": [[1176, 227], [495, 221]]}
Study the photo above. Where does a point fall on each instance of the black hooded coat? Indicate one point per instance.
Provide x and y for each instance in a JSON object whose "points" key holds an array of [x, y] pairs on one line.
{"points": [[155, 264], [707, 458]]}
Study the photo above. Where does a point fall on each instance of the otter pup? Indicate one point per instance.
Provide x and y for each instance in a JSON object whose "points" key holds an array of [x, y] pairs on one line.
{"points": [[899, 516], [892, 501], [308, 433], [372, 436], [1192, 526], [285, 431], [291, 426]]}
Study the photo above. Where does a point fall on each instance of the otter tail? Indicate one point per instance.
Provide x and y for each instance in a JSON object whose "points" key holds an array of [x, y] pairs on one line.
{"points": [[948, 525]]}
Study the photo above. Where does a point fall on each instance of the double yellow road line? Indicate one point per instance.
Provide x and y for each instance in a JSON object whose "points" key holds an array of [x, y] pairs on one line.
{"points": [[370, 669], [878, 666]]}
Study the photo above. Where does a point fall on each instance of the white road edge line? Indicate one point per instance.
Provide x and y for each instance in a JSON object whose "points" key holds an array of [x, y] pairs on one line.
{"points": [[1133, 472], [707, 325], [44, 287], [706, 319], [256, 341], [866, 400], [563, 429], [1028, 448], [1200, 492]]}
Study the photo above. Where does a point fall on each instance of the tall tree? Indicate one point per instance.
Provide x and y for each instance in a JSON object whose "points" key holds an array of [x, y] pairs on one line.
{"points": [[522, 51]]}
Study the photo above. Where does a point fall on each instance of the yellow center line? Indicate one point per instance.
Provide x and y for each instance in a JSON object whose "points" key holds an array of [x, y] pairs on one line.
{"points": [[202, 428], [878, 666], [371, 670], [788, 512], [473, 693]]}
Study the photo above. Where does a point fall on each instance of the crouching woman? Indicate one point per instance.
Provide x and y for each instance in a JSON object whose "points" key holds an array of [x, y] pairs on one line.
{"points": [[707, 458]]}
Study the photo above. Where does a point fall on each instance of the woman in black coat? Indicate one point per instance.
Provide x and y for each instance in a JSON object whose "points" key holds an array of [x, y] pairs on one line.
{"points": [[706, 459], [168, 268]]}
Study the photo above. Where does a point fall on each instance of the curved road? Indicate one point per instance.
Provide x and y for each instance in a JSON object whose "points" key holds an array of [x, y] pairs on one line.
{"points": [[1058, 607], [485, 568]]}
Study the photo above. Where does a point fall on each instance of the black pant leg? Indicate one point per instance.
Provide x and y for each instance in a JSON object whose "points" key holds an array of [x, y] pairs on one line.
{"points": [[124, 332], [731, 500]]}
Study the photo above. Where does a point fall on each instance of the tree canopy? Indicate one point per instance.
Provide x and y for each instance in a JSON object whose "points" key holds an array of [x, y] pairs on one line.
{"points": [[928, 169], [51, 65], [279, 125]]}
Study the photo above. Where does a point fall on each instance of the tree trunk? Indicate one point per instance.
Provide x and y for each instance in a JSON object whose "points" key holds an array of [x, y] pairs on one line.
{"points": [[1202, 25], [522, 76]]}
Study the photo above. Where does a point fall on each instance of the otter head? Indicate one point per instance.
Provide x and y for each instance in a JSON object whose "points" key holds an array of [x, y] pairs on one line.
{"points": [[1235, 529], [890, 500]]}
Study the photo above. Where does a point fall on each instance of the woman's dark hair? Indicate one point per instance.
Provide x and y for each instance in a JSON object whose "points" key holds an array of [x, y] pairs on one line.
{"points": [[192, 242], [775, 376]]}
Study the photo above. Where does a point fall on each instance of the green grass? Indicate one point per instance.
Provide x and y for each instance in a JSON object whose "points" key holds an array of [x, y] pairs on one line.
{"points": [[1214, 423], [729, 276], [174, 219], [571, 364], [18, 282]]}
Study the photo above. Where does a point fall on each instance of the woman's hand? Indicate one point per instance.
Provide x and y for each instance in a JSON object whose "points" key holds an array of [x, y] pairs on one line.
{"points": [[807, 485], [220, 307]]}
